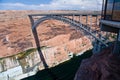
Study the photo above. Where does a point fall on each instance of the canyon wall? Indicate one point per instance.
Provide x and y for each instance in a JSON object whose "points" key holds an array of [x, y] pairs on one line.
{"points": [[16, 35], [58, 38]]}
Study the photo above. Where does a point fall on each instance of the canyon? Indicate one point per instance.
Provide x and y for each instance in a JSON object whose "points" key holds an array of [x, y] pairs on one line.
{"points": [[16, 35], [59, 41]]}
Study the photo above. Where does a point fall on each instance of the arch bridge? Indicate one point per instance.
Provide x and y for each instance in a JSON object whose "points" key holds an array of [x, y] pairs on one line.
{"points": [[75, 20]]}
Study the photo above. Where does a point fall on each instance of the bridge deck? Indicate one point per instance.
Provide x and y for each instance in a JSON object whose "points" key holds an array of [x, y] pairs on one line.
{"points": [[100, 40], [65, 14]]}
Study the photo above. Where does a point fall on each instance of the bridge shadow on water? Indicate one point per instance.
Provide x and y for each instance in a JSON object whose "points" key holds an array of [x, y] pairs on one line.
{"points": [[63, 71]]}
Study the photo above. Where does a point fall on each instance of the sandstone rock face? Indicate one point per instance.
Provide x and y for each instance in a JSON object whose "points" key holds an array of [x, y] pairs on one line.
{"points": [[103, 66], [16, 35], [58, 38]]}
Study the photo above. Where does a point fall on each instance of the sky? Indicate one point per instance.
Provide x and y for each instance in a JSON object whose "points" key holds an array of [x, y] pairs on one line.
{"points": [[50, 4]]}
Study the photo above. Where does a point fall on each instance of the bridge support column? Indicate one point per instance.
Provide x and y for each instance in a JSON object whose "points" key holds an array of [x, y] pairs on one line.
{"points": [[90, 20], [97, 18], [119, 35], [86, 20], [73, 17], [116, 50], [95, 46], [98, 46], [34, 31]]}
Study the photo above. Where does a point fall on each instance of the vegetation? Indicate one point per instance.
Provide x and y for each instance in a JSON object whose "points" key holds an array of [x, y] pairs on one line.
{"points": [[64, 71], [24, 53], [21, 54]]}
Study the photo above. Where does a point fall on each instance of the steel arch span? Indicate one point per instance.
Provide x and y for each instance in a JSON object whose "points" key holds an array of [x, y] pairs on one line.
{"points": [[72, 22], [78, 25]]}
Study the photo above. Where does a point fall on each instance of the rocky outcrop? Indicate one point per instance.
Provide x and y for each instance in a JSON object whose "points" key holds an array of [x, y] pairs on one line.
{"points": [[16, 35], [103, 66], [58, 39]]}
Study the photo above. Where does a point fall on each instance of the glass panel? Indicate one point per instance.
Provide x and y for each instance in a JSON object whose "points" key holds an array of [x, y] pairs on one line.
{"points": [[109, 9], [103, 8], [116, 12]]}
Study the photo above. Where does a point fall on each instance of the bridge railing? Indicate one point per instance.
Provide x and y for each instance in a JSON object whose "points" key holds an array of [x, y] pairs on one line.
{"points": [[76, 21]]}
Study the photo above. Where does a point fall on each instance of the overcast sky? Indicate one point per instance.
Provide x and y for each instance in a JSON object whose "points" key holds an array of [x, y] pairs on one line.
{"points": [[50, 4]]}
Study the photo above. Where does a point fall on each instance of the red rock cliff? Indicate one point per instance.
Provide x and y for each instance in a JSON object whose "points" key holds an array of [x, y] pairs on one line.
{"points": [[103, 66]]}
